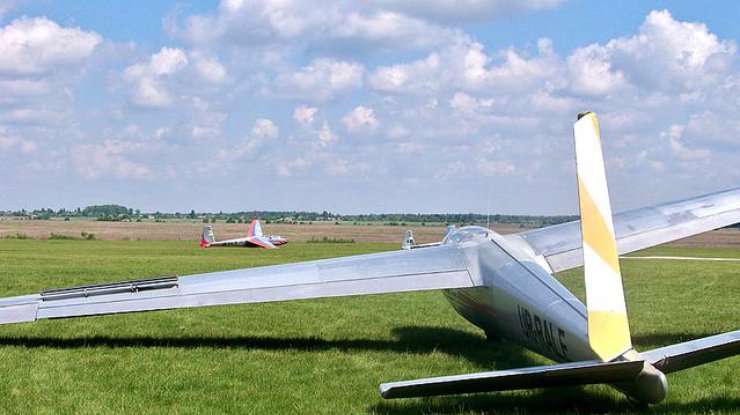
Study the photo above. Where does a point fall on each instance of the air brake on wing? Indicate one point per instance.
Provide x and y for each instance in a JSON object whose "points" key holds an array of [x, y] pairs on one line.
{"points": [[131, 286]]}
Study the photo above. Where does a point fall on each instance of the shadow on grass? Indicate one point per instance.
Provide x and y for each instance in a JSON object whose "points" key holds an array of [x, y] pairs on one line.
{"points": [[546, 401], [410, 339], [582, 400], [425, 340]]}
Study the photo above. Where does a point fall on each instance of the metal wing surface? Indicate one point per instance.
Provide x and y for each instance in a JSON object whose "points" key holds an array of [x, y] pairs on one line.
{"points": [[398, 271], [692, 353], [560, 245]]}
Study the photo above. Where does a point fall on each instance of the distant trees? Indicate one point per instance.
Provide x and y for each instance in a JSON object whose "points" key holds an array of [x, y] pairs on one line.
{"points": [[108, 213], [106, 210], [114, 212]]}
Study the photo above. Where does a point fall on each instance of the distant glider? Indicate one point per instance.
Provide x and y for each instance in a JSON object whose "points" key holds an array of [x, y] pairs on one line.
{"points": [[254, 238], [502, 284]]}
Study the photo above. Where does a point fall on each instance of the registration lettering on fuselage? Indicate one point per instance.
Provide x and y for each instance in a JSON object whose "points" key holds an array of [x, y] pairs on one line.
{"points": [[542, 331]]}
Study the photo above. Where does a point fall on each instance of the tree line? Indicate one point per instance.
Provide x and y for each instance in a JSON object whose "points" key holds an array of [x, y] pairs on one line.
{"points": [[114, 212]]}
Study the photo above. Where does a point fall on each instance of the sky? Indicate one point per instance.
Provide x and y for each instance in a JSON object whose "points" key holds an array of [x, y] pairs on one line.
{"points": [[370, 106]]}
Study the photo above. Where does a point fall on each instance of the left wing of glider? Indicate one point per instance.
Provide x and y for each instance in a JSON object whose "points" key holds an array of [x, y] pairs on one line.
{"points": [[398, 271]]}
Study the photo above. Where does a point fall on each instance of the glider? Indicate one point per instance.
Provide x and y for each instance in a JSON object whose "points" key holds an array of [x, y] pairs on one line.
{"points": [[254, 238], [502, 284]]}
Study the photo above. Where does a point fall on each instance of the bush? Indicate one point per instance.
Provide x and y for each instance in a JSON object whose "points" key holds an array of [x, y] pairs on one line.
{"points": [[56, 236], [17, 236], [87, 236], [327, 240]]}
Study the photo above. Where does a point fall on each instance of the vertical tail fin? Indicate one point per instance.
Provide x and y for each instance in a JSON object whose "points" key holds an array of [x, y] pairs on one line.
{"points": [[255, 229], [408, 240], [206, 236], [608, 328]]}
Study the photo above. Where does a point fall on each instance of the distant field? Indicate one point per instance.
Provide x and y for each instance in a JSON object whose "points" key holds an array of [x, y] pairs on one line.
{"points": [[184, 230], [190, 230], [321, 356]]}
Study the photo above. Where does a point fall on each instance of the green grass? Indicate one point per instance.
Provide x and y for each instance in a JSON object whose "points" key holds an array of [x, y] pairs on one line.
{"points": [[322, 356]]}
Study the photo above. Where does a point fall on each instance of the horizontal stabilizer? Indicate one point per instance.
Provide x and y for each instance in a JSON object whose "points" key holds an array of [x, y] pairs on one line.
{"points": [[566, 374], [695, 352]]}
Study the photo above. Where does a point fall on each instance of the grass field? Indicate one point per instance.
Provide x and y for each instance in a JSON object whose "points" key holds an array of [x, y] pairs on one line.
{"points": [[321, 356]]}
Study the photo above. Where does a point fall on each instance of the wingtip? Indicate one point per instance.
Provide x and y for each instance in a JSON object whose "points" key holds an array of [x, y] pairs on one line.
{"points": [[387, 391]]}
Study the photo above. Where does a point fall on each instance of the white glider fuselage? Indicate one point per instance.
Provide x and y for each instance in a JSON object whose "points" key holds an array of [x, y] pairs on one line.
{"points": [[519, 299], [522, 302]]}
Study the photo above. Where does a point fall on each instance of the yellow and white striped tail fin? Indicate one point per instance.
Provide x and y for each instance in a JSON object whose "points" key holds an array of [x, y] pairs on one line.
{"points": [[608, 329]]}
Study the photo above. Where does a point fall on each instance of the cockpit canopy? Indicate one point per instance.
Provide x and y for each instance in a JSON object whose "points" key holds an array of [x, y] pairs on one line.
{"points": [[466, 234]]}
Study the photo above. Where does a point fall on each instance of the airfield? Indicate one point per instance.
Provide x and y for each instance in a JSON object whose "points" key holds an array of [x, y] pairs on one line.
{"points": [[319, 356]]}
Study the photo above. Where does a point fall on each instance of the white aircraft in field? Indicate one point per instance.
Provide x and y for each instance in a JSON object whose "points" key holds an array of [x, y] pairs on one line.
{"points": [[254, 238], [502, 284]]}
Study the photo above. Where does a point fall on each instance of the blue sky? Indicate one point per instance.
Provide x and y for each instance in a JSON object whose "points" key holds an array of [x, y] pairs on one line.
{"points": [[357, 107]]}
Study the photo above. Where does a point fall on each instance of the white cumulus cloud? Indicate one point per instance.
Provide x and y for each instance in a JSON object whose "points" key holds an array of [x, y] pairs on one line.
{"points": [[304, 114], [468, 10], [326, 135], [361, 119], [33, 46], [147, 77], [111, 158], [209, 68], [264, 128], [665, 54], [323, 79], [262, 131]]}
